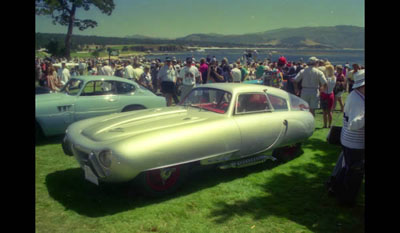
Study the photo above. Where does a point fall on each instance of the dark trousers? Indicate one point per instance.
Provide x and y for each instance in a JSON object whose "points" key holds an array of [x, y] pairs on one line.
{"points": [[351, 176]]}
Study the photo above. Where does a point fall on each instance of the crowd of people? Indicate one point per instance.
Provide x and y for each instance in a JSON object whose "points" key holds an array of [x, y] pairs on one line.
{"points": [[175, 78]]}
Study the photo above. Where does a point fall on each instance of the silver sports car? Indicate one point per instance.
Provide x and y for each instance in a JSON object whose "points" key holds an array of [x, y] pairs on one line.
{"points": [[227, 124]]}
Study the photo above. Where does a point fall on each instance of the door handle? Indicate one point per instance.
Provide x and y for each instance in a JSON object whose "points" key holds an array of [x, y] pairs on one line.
{"points": [[112, 100]]}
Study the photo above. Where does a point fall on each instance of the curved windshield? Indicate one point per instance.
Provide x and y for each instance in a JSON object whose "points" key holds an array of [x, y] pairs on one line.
{"points": [[72, 87], [209, 99]]}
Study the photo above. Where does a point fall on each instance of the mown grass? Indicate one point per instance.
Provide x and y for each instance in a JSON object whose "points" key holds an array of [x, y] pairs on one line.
{"points": [[270, 197]]}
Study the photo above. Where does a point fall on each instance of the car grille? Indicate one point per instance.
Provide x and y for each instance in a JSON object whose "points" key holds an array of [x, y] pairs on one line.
{"points": [[90, 160]]}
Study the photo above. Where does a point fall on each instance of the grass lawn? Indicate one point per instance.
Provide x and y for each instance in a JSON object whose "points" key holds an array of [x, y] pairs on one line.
{"points": [[269, 197]]}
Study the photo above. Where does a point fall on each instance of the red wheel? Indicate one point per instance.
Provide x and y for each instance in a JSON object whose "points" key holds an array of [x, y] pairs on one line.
{"points": [[287, 153], [163, 181]]}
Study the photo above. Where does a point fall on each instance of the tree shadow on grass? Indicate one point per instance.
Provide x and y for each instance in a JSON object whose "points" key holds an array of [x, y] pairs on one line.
{"points": [[42, 141], [71, 189], [298, 195], [303, 197]]}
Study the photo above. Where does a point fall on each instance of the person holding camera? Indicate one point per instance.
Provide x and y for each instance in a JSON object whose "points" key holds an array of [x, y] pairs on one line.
{"points": [[167, 78], [214, 73], [226, 70]]}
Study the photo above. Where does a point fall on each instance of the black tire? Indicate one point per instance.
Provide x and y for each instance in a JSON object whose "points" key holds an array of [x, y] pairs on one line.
{"points": [[38, 132], [287, 153], [133, 108], [152, 184]]}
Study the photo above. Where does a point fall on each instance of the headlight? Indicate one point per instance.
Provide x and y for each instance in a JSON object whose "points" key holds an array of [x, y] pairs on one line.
{"points": [[105, 158]]}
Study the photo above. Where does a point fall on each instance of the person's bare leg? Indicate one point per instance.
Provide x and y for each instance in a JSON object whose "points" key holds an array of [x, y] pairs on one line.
{"points": [[329, 118], [341, 104]]}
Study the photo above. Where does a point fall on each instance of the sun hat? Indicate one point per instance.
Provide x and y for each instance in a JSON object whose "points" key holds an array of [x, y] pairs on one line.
{"points": [[312, 60], [359, 79]]}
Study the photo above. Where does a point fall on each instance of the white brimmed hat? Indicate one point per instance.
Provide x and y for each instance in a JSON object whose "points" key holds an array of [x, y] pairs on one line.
{"points": [[312, 60], [359, 79]]}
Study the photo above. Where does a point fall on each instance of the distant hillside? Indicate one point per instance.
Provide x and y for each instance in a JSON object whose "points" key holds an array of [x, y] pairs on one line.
{"points": [[306, 37], [318, 37]]}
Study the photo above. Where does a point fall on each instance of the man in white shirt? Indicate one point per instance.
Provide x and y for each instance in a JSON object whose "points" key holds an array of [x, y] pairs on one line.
{"points": [[137, 72], [106, 69], [352, 139], [128, 71], [312, 79], [236, 73], [63, 74], [82, 67], [188, 75]]}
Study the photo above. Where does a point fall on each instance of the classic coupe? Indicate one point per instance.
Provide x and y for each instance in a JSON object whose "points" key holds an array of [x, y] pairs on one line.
{"points": [[225, 124], [90, 96]]}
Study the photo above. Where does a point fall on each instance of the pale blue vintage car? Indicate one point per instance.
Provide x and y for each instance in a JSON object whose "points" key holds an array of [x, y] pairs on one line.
{"points": [[90, 96]]}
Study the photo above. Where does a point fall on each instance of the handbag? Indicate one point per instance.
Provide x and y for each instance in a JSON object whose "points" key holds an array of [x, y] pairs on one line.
{"points": [[338, 88], [334, 135]]}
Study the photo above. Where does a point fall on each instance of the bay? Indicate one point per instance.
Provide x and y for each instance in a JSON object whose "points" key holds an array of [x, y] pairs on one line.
{"points": [[335, 56]]}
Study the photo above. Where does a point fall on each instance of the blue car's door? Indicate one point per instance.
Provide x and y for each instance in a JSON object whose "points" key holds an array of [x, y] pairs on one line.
{"points": [[96, 99]]}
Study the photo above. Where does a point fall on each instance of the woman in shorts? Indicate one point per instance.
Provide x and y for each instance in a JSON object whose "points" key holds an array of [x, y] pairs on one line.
{"points": [[327, 96], [339, 88]]}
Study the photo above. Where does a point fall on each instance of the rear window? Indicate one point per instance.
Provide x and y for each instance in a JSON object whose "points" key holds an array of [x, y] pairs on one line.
{"points": [[279, 103], [298, 104], [252, 102]]}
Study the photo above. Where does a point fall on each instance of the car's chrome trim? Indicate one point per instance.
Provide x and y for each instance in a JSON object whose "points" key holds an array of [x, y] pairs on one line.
{"points": [[228, 153]]}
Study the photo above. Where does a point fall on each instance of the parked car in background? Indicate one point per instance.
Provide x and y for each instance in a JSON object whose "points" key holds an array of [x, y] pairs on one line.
{"points": [[227, 124], [42, 90], [90, 96]]}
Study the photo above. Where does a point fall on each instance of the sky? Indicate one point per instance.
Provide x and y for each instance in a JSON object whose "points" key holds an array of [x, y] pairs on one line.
{"points": [[178, 18]]}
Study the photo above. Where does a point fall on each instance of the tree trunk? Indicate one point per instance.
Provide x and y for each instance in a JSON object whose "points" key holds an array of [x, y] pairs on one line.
{"points": [[69, 33]]}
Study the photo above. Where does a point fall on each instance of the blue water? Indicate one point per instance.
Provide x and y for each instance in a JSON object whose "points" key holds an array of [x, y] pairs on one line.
{"points": [[336, 57]]}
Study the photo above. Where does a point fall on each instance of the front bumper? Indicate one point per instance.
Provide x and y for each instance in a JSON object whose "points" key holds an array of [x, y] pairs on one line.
{"points": [[120, 170], [66, 146]]}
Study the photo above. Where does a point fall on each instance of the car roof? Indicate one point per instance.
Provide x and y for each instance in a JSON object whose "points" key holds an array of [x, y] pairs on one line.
{"points": [[242, 87], [101, 77]]}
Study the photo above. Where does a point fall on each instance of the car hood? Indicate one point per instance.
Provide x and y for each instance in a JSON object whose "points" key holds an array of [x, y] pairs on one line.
{"points": [[123, 125]]}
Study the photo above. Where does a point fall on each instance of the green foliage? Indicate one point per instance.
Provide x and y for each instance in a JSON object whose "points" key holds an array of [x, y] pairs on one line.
{"points": [[55, 48], [63, 12], [95, 53]]}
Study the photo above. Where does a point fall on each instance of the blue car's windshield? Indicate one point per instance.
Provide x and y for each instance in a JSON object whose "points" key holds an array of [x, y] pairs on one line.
{"points": [[72, 87]]}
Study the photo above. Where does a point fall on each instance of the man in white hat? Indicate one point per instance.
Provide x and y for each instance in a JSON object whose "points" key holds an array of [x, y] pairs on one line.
{"points": [[312, 79], [353, 142]]}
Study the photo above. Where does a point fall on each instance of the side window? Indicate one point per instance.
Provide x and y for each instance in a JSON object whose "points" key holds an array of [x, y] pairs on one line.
{"points": [[124, 88], [95, 88], [298, 104], [252, 102], [88, 89], [279, 103]]}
